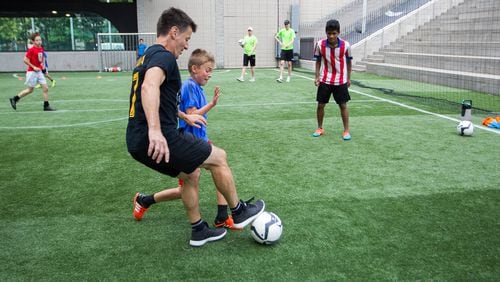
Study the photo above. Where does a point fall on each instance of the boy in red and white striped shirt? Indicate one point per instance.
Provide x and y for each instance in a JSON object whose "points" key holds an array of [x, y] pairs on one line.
{"points": [[333, 75]]}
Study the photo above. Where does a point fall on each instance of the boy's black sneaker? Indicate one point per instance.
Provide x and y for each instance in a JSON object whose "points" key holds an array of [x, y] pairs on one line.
{"points": [[48, 109], [248, 213], [207, 234], [13, 103]]}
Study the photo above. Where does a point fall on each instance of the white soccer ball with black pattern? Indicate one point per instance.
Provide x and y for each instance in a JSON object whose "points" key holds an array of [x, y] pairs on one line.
{"points": [[267, 228], [465, 128], [241, 42]]}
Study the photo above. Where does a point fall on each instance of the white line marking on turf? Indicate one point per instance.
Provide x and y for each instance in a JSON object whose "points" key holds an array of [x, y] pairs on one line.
{"points": [[222, 71], [63, 126], [281, 104], [411, 107], [92, 100], [60, 111]]}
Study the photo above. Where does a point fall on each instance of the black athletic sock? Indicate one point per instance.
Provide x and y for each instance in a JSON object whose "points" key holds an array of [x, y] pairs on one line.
{"points": [[197, 226], [147, 200], [237, 209], [221, 213], [45, 104], [16, 98]]}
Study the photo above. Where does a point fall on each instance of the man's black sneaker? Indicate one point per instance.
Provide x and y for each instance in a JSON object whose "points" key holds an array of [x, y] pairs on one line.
{"points": [[48, 109], [207, 234], [13, 103], [248, 213]]}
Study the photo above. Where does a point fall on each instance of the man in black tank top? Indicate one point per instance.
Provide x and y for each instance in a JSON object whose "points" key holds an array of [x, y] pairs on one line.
{"points": [[153, 138]]}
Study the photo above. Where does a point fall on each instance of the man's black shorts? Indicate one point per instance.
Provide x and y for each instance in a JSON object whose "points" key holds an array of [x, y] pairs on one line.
{"points": [[186, 154], [248, 58], [340, 93], [287, 55]]}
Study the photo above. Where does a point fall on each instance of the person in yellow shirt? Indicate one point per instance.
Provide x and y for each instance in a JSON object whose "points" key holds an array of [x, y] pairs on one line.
{"points": [[249, 46], [285, 38]]}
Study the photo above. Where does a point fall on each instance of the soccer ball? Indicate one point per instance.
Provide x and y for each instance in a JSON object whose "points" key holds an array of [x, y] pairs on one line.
{"points": [[267, 228], [241, 42], [465, 128]]}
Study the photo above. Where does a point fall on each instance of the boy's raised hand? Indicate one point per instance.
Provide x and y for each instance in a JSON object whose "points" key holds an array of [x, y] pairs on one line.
{"points": [[215, 99]]}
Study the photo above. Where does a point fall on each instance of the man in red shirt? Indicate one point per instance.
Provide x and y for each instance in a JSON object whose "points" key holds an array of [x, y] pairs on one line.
{"points": [[36, 63]]}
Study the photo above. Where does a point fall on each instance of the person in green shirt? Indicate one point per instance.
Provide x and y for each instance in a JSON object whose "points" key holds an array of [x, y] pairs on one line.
{"points": [[285, 38], [249, 45]]}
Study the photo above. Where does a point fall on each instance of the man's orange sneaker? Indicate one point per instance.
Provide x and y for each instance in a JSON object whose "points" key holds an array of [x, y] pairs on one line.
{"points": [[320, 131], [228, 223], [138, 209]]}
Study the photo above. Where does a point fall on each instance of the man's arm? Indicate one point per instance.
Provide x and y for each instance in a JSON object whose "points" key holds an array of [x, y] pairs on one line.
{"points": [[150, 98]]}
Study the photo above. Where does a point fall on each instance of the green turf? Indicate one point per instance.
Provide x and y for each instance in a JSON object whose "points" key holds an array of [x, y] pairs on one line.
{"points": [[405, 199]]}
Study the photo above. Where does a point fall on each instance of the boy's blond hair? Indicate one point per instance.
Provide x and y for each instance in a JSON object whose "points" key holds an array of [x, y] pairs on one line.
{"points": [[199, 57]]}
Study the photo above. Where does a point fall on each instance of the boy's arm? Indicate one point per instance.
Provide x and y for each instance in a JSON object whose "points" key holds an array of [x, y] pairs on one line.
{"points": [[278, 38], [192, 119], [203, 110], [349, 65], [317, 56], [42, 63], [27, 61], [291, 42], [349, 69], [318, 68]]}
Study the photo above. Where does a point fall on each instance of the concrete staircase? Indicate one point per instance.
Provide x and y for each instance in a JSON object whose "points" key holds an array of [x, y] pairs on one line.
{"points": [[460, 48]]}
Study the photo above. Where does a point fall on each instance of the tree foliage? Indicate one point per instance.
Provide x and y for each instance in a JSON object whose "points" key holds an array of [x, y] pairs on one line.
{"points": [[55, 32]]}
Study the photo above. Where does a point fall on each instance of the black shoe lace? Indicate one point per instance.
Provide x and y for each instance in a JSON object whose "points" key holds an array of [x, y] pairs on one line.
{"points": [[248, 201]]}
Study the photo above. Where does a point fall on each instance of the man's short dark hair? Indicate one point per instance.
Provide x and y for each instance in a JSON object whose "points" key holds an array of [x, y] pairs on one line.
{"points": [[174, 17], [332, 25]]}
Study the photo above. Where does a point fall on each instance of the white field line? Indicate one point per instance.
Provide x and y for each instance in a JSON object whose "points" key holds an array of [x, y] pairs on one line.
{"points": [[283, 103], [63, 125]]}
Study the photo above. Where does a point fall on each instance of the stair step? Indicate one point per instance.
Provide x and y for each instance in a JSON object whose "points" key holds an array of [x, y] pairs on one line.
{"points": [[477, 64]]}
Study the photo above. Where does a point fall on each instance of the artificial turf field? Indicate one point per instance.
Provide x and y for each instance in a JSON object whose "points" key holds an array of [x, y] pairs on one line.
{"points": [[405, 199]]}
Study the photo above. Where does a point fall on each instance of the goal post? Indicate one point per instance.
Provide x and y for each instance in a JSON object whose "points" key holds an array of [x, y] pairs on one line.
{"points": [[119, 50]]}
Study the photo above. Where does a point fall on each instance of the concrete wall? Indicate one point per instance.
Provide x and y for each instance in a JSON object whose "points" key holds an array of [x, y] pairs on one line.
{"points": [[221, 23], [58, 61]]}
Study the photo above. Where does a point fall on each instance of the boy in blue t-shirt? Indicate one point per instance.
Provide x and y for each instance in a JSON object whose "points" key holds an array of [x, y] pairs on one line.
{"points": [[193, 101], [141, 48]]}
